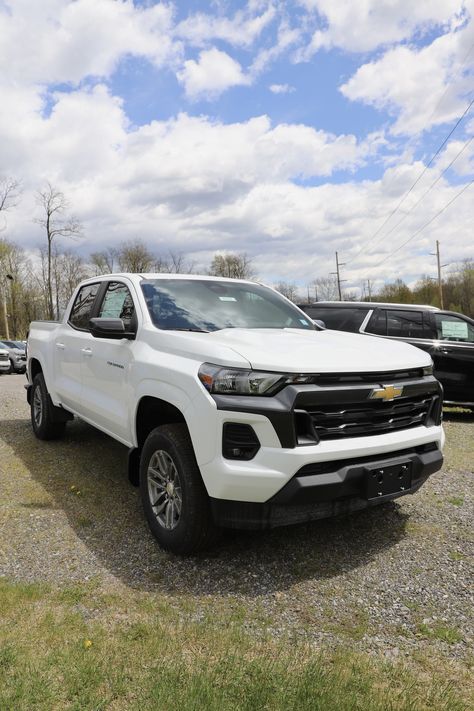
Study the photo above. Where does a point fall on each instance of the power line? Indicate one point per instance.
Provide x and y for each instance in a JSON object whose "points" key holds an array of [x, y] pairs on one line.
{"points": [[387, 234], [439, 149], [458, 194]]}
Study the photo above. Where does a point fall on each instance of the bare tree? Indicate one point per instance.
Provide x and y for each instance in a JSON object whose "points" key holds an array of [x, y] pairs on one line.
{"points": [[288, 289], [104, 262], [235, 266], [135, 257], [10, 190], [325, 289], [56, 224]]}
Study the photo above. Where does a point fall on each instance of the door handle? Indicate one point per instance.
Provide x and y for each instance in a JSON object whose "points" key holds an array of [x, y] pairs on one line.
{"points": [[445, 350], [60, 346], [86, 351]]}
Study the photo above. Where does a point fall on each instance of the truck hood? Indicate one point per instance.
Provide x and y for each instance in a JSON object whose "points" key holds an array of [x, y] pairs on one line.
{"points": [[298, 351]]}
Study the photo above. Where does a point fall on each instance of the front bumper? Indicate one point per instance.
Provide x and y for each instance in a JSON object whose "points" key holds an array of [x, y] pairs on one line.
{"points": [[333, 488]]}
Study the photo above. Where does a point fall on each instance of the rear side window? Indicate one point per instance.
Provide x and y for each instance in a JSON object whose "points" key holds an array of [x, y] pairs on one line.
{"points": [[118, 303], [398, 323], [82, 307], [338, 319]]}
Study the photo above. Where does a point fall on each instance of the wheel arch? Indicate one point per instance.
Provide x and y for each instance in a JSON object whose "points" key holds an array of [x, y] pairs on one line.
{"points": [[151, 413]]}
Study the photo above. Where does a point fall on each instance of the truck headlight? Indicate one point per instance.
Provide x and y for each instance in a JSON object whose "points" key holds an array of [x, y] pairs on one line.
{"points": [[235, 381], [428, 370]]}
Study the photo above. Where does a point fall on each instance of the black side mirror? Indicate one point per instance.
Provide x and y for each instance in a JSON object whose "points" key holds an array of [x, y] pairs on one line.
{"points": [[318, 322], [109, 328]]}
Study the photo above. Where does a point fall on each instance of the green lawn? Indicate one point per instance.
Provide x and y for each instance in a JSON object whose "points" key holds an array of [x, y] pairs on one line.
{"points": [[84, 649]]}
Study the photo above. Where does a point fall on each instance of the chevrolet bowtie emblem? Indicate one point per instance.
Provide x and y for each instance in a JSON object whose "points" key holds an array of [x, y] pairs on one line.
{"points": [[388, 392]]}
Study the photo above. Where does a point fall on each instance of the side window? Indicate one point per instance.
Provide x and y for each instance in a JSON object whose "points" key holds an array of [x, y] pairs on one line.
{"points": [[118, 303], [343, 319], [82, 307], [405, 324], [377, 323], [453, 328]]}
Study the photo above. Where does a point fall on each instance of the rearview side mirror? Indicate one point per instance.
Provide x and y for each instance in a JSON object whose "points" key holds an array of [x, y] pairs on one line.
{"points": [[109, 328], [318, 322]]}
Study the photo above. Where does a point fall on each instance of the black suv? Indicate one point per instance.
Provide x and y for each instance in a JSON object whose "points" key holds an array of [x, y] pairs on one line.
{"points": [[447, 336]]}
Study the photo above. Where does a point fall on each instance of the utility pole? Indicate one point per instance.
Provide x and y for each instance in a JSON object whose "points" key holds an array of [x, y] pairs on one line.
{"points": [[440, 281], [369, 289], [338, 275], [4, 306]]}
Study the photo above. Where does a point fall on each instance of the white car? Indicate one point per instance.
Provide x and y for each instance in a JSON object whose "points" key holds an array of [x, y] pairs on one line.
{"points": [[236, 409], [4, 361]]}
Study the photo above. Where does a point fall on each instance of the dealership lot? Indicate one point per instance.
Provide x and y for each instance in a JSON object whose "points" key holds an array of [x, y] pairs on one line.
{"points": [[395, 581]]}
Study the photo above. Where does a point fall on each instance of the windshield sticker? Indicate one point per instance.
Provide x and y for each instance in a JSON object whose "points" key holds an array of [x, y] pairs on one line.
{"points": [[451, 329], [227, 298], [304, 322]]}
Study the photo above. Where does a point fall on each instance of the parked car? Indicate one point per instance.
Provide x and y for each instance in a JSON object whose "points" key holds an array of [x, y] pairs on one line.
{"points": [[16, 356], [4, 361], [237, 411], [447, 336]]}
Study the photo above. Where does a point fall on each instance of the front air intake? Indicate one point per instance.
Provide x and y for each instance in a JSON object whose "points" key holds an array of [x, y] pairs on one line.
{"points": [[239, 441]]}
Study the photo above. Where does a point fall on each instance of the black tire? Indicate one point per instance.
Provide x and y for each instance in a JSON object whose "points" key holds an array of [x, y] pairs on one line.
{"points": [[192, 529], [42, 420], [12, 369]]}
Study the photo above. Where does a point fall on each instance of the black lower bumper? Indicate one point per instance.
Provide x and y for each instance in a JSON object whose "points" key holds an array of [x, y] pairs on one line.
{"points": [[332, 488]]}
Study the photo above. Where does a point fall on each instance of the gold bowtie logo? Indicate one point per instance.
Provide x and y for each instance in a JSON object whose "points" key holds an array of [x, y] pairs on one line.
{"points": [[388, 392]]}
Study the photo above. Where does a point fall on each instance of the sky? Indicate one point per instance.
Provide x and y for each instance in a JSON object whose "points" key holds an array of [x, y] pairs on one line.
{"points": [[285, 130]]}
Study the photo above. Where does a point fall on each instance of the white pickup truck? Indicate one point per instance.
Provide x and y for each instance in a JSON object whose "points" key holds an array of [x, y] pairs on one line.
{"points": [[238, 411]]}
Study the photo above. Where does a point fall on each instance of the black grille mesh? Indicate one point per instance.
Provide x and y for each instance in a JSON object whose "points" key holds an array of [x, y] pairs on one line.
{"points": [[369, 418]]}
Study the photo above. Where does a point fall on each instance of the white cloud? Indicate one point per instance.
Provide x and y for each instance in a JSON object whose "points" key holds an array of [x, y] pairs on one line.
{"points": [[211, 74], [241, 30], [422, 87], [281, 88], [367, 24], [57, 41]]}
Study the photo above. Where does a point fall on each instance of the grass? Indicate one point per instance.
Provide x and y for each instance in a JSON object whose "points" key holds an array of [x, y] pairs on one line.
{"points": [[81, 649], [456, 500], [445, 633]]}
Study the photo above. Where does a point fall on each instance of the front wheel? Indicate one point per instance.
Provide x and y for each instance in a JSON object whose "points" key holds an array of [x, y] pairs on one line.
{"points": [[174, 498], [42, 420]]}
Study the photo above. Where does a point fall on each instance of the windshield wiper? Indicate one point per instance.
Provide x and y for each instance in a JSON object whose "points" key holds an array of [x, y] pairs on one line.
{"points": [[193, 330]]}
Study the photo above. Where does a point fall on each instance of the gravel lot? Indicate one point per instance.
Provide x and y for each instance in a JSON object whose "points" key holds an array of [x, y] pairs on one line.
{"points": [[395, 581]]}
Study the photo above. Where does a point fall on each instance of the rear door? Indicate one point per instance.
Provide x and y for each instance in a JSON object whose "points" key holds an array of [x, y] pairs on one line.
{"points": [[71, 342], [407, 325]]}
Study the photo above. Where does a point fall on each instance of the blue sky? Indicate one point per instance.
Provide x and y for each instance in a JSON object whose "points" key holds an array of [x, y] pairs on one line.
{"points": [[286, 130]]}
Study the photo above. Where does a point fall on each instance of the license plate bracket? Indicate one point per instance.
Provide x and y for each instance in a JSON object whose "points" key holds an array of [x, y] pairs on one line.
{"points": [[388, 480]]}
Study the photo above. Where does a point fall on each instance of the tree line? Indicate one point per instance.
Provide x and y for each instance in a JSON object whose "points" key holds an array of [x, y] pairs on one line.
{"points": [[39, 286]]}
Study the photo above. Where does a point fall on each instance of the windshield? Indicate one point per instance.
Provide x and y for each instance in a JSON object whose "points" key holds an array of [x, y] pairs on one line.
{"points": [[206, 305]]}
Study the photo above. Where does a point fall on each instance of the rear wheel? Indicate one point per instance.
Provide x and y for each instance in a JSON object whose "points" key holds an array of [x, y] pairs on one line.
{"points": [[42, 419], [174, 498]]}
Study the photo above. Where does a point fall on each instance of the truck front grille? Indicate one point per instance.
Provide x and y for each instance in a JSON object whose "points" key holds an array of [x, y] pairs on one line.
{"points": [[369, 418], [4, 356]]}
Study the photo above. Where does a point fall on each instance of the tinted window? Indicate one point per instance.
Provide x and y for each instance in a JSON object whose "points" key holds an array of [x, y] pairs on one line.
{"points": [[206, 305], [405, 324], [453, 328], [118, 303], [378, 323], [338, 319], [81, 310], [397, 323]]}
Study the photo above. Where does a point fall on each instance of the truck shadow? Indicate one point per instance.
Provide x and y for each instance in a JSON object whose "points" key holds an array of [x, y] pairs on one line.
{"points": [[107, 518], [458, 414]]}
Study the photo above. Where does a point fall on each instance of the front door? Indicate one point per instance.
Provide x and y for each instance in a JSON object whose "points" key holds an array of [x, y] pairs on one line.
{"points": [[106, 367]]}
